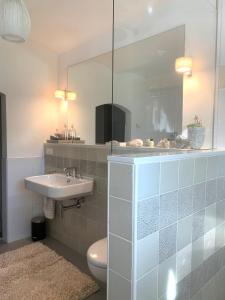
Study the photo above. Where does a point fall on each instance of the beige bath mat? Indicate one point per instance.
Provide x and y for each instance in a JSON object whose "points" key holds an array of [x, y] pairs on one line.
{"points": [[35, 272]]}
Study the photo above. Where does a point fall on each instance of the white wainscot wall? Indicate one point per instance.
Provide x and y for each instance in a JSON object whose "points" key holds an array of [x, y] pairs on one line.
{"points": [[22, 204]]}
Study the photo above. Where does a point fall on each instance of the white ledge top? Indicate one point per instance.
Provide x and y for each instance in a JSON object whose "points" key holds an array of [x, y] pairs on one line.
{"points": [[158, 156]]}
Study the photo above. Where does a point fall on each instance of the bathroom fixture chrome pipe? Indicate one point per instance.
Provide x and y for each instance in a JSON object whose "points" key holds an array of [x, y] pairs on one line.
{"points": [[77, 204]]}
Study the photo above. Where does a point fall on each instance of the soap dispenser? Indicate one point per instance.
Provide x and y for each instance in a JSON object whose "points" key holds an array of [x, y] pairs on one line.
{"points": [[73, 132], [66, 135], [152, 143]]}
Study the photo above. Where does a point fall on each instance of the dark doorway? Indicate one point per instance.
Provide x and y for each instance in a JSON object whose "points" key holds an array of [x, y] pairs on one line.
{"points": [[3, 153], [110, 124]]}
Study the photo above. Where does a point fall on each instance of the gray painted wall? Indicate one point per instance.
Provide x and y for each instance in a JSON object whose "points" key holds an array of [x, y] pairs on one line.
{"points": [[80, 228]]}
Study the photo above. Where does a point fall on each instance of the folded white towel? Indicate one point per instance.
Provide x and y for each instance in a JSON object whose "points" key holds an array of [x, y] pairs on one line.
{"points": [[49, 208]]}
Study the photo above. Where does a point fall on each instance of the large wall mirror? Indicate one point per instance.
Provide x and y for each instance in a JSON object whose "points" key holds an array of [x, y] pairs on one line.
{"points": [[151, 99], [146, 90]]}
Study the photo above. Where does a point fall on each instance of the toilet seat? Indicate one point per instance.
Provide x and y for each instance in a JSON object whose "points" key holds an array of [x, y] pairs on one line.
{"points": [[97, 254]]}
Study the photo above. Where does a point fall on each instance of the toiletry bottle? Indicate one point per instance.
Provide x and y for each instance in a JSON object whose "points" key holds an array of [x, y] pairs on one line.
{"points": [[70, 134], [73, 132], [57, 133], [147, 142], [167, 143], [65, 132], [152, 143]]}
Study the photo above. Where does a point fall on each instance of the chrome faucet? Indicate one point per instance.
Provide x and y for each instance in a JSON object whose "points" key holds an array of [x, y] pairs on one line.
{"points": [[72, 172]]}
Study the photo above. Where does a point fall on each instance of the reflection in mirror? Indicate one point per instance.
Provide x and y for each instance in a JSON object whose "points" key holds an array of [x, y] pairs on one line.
{"points": [[92, 82], [148, 86], [147, 91]]}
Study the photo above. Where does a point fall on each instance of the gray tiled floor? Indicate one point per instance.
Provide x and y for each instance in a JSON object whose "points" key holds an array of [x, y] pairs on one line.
{"points": [[64, 251]]}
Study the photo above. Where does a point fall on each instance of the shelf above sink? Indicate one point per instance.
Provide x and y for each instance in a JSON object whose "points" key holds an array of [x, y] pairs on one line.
{"points": [[59, 187]]}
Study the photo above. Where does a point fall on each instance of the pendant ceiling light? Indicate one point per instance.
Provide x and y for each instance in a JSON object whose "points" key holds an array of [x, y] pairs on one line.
{"points": [[15, 21]]}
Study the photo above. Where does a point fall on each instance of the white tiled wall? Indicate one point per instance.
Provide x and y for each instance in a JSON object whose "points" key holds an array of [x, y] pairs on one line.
{"points": [[22, 205], [120, 218], [120, 233], [166, 227]]}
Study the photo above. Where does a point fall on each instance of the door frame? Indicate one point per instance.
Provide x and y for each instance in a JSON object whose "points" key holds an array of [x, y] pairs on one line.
{"points": [[3, 154]]}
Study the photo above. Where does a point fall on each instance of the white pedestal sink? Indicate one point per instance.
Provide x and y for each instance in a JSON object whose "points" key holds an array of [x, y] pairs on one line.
{"points": [[59, 187]]}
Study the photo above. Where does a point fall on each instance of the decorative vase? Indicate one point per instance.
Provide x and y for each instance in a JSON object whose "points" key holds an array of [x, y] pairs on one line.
{"points": [[196, 136]]}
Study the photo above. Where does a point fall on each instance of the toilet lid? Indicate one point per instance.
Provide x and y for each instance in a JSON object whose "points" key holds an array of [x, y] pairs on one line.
{"points": [[97, 254]]}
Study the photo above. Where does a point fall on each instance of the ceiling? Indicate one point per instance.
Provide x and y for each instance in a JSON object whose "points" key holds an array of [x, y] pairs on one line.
{"points": [[64, 25]]}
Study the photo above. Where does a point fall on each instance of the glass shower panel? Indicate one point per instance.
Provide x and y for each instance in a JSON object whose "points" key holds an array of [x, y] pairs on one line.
{"points": [[92, 81], [157, 101], [89, 75]]}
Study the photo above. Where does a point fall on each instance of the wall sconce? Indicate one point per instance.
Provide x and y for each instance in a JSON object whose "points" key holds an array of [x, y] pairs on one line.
{"points": [[65, 95], [184, 65]]}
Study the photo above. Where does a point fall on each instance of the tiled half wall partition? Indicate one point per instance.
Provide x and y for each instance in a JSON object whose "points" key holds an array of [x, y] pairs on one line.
{"points": [[80, 228], [167, 227]]}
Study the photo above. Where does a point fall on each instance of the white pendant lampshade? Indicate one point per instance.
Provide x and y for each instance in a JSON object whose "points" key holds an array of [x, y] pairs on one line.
{"points": [[15, 23]]}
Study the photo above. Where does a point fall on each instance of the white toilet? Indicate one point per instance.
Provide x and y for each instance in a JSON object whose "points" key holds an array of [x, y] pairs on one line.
{"points": [[97, 260]]}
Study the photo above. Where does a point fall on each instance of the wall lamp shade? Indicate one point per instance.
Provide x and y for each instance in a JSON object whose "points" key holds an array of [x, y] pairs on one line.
{"points": [[70, 96], [65, 95], [60, 94], [15, 23], [184, 65]]}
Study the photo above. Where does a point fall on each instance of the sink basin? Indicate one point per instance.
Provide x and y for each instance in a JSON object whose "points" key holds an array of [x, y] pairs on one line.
{"points": [[56, 186]]}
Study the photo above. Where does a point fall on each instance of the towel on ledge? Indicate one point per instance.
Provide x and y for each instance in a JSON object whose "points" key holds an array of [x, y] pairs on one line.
{"points": [[49, 208]]}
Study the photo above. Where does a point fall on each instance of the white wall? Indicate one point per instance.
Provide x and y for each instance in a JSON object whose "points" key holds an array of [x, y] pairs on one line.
{"points": [[28, 78], [92, 83], [135, 24]]}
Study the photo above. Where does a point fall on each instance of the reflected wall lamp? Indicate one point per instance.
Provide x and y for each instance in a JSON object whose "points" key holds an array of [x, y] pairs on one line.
{"points": [[184, 65], [15, 23], [65, 95]]}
